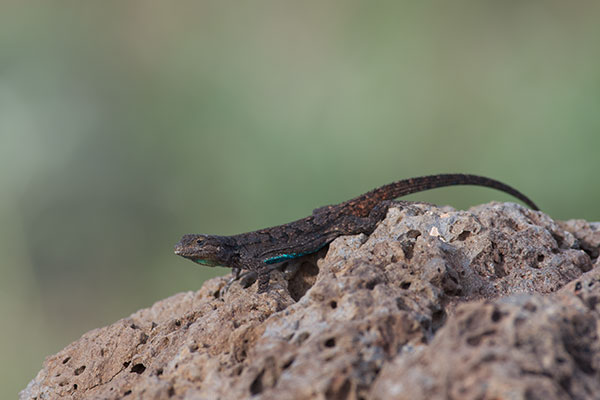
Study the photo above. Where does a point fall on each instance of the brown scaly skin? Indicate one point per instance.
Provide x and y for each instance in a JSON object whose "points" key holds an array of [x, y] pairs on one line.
{"points": [[255, 251]]}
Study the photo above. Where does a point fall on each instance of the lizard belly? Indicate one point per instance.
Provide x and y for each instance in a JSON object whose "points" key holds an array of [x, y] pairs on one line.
{"points": [[289, 256]]}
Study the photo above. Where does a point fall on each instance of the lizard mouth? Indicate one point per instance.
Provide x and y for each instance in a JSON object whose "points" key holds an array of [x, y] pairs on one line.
{"points": [[202, 261], [180, 251]]}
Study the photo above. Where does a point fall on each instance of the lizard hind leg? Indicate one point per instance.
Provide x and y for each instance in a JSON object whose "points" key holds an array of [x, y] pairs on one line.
{"points": [[264, 275], [379, 212]]}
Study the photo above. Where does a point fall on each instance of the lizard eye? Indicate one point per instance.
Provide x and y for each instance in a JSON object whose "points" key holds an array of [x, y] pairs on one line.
{"points": [[199, 241]]}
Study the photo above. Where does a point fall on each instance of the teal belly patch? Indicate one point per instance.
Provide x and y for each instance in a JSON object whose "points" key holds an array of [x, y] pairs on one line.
{"points": [[283, 257]]}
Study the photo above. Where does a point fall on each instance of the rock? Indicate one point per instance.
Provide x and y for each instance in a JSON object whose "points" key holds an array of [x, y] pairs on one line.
{"points": [[498, 302], [517, 347], [587, 233]]}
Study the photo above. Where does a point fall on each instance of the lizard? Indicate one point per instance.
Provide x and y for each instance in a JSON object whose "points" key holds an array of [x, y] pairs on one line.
{"points": [[257, 251]]}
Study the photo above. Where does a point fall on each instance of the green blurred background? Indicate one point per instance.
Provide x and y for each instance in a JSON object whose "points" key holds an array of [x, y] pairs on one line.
{"points": [[124, 125]]}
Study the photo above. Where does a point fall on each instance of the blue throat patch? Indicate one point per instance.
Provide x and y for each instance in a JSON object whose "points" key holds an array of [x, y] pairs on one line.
{"points": [[206, 263]]}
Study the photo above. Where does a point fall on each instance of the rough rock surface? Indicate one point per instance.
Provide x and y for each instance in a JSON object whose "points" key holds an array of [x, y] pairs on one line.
{"points": [[497, 302]]}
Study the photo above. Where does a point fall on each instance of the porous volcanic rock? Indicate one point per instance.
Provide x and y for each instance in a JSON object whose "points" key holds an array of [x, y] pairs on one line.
{"points": [[497, 302]]}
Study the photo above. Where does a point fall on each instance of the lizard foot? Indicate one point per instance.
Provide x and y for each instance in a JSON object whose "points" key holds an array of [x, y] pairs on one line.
{"points": [[263, 281], [248, 278], [236, 273]]}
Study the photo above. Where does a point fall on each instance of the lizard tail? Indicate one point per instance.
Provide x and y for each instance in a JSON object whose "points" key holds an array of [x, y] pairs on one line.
{"points": [[363, 204]]}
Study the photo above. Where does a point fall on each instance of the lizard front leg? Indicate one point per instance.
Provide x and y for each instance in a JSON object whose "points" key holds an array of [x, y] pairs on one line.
{"points": [[262, 270], [247, 278]]}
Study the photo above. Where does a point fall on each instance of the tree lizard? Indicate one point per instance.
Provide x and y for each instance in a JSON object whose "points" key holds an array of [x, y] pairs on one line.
{"points": [[257, 251]]}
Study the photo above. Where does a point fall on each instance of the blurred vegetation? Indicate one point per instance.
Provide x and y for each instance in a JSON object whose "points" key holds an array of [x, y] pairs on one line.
{"points": [[124, 125]]}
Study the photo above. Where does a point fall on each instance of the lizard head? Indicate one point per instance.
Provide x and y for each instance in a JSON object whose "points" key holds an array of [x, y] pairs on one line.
{"points": [[207, 250]]}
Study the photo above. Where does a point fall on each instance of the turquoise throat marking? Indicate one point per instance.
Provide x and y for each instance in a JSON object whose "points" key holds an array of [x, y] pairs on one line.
{"points": [[283, 257], [207, 263]]}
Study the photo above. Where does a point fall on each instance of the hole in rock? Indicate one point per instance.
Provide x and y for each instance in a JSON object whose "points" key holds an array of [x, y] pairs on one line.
{"points": [[302, 337], [238, 370], [477, 339], [565, 383], [330, 342], [138, 368], [288, 363], [438, 318], [401, 304], [496, 315], [337, 391], [407, 248], [143, 338], [413, 234], [303, 279], [464, 235], [79, 370], [592, 301], [257, 386], [559, 239]]}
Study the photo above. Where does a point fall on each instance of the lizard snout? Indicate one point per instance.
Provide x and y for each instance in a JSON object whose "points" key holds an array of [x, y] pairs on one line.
{"points": [[180, 248]]}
